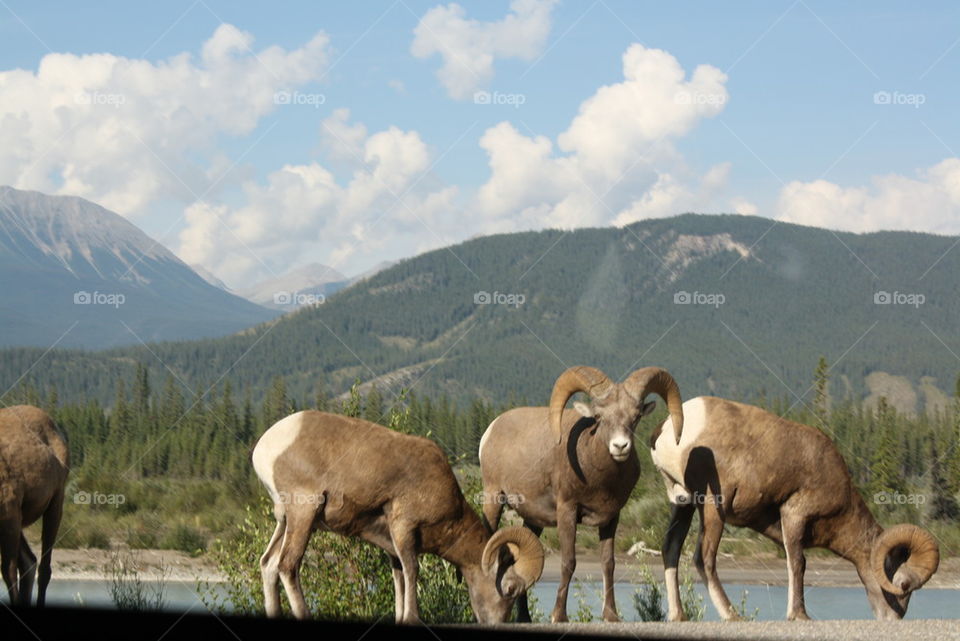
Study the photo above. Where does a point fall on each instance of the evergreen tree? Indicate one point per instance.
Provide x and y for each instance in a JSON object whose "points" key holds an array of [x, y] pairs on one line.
{"points": [[321, 400], [373, 409], [277, 404], [944, 505], [821, 379], [885, 466]]}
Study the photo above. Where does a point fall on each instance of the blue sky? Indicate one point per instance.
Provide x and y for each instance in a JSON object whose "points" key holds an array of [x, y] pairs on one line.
{"points": [[795, 132]]}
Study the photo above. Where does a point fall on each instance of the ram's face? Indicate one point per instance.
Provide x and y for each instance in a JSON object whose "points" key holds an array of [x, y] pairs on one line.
{"points": [[616, 415]]}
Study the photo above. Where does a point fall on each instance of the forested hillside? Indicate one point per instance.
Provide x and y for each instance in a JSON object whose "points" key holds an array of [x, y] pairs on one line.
{"points": [[732, 305]]}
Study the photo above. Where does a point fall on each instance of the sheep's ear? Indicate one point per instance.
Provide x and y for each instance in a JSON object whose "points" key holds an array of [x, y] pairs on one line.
{"points": [[648, 408], [584, 409]]}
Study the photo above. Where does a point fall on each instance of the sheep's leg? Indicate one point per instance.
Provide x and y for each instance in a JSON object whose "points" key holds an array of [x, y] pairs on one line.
{"points": [[792, 529], [398, 592], [295, 538], [680, 518], [567, 532], [608, 562], [27, 567], [48, 536], [706, 561], [270, 570], [523, 607], [10, 556], [404, 542]]}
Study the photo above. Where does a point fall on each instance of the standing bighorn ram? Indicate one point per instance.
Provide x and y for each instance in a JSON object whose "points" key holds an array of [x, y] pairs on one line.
{"points": [[397, 491], [34, 462], [741, 465], [560, 468]]}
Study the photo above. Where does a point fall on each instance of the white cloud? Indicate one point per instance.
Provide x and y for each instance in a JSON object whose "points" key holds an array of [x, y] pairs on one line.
{"points": [[930, 202], [108, 128], [616, 162], [744, 207], [470, 47], [654, 102], [618, 149], [302, 213]]}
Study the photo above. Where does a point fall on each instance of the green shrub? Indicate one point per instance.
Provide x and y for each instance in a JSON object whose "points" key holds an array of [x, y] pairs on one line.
{"points": [[583, 614], [141, 538], [96, 538], [648, 598], [186, 539], [342, 578]]}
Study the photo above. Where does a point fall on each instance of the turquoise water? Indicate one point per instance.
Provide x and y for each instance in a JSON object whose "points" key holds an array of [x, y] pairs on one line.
{"points": [[771, 601]]}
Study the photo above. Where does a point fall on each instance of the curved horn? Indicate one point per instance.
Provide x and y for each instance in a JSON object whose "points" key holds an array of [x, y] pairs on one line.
{"points": [[656, 380], [576, 379], [526, 549], [923, 557]]}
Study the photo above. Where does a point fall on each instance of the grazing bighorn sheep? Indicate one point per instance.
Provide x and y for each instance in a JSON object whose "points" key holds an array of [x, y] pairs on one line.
{"points": [[742, 465], [559, 468], [34, 462], [397, 491]]}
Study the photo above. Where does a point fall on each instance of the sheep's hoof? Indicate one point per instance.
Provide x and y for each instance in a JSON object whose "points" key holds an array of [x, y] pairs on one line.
{"points": [[799, 616], [734, 617], [611, 617], [676, 617], [559, 617]]}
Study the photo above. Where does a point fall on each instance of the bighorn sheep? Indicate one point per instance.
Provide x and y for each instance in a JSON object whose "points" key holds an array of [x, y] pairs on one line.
{"points": [[741, 465], [34, 462], [559, 468], [397, 491]]}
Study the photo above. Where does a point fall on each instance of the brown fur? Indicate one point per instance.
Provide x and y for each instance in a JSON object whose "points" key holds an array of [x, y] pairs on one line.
{"points": [[561, 485], [394, 490], [34, 463], [786, 480]]}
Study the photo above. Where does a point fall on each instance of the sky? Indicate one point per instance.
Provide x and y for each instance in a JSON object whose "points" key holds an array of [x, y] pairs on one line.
{"points": [[252, 138]]}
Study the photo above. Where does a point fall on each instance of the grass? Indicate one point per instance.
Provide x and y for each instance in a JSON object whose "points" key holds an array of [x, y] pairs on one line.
{"points": [[128, 589]]}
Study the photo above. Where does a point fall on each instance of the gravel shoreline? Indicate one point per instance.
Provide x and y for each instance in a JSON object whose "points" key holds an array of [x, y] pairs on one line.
{"points": [[855, 630]]}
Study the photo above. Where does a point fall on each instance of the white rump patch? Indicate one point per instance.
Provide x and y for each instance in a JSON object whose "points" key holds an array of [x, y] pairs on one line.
{"points": [[274, 442], [670, 457], [483, 439]]}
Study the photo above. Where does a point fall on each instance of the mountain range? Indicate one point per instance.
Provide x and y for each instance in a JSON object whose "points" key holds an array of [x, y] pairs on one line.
{"points": [[303, 286], [736, 306], [76, 274]]}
